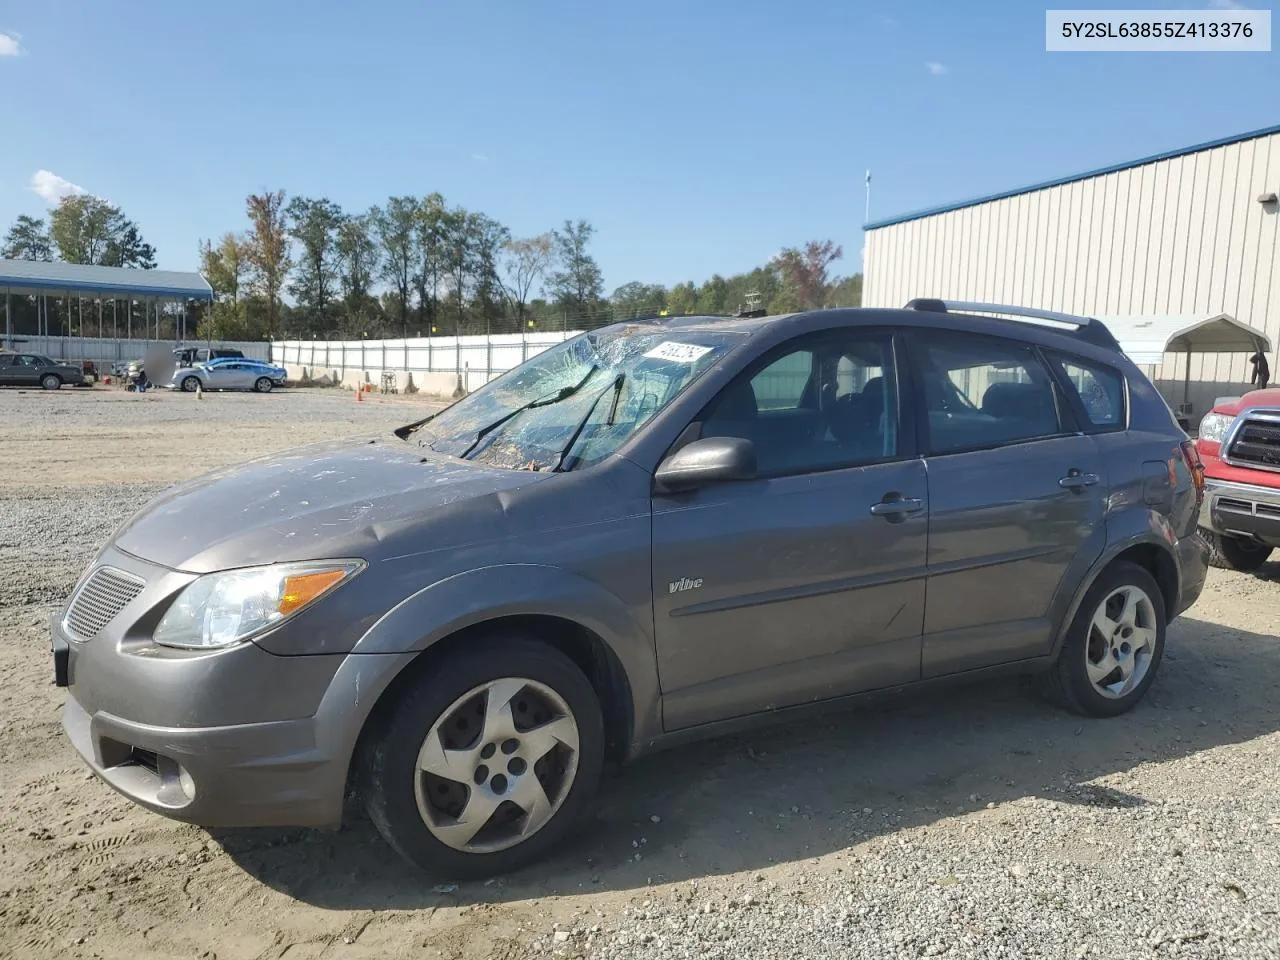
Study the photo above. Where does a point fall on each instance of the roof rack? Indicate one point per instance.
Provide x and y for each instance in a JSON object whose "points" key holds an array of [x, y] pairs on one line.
{"points": [[1082, 328]]}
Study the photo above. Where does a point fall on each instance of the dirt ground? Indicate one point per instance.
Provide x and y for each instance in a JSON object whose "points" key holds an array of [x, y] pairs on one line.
{"points": [[84, 873]]}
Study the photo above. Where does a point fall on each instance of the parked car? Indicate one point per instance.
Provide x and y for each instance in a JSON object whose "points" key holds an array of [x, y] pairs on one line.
{"points": [[187, 356], [36, 370], [1239, 442], [651, 533], [230, 374]]}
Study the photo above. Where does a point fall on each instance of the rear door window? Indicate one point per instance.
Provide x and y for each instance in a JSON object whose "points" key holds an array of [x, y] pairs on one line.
{"points": [[981, 392]]}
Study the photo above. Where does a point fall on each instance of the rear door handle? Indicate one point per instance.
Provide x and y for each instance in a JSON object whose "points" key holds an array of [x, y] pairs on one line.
{"points": [[1075, 480], [897, 509]]}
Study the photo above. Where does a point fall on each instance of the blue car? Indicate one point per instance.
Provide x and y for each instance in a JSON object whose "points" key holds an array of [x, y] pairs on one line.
{"points": [[230, 373]]}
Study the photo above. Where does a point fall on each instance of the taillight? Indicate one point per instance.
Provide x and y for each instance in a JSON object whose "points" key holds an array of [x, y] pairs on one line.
{"points": [[1192, 456]]}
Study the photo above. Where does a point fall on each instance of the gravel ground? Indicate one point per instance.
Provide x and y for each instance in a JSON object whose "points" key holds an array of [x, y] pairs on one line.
{"points": [[977, 823]]}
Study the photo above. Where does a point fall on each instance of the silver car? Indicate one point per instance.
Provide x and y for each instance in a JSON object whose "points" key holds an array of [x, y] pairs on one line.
{"points": [[231, 373]]}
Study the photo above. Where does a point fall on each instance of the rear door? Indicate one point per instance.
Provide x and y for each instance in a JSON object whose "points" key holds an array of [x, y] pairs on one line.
{"points": [[805, 583], [6, 369], [1016, 498]]}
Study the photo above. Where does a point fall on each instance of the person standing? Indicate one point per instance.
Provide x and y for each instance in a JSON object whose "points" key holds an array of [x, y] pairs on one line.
{"points": [[1261, 371]]}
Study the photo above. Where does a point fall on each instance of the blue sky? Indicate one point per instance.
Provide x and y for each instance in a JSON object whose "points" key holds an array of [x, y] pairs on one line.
{"points": [[699, 136]]}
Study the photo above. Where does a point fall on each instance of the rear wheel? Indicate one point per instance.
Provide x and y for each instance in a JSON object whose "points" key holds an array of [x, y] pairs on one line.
{"points": [[486, 761], [1113, 647], [1237, 553], [51, 381], [263, 385]]}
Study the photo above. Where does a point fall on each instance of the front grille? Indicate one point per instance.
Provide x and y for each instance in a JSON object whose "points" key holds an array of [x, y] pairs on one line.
{"points": [[99, 599], [1257, 443]]}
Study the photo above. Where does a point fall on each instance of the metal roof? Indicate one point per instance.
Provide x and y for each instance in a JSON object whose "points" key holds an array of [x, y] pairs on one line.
{"points": [[32, 276], [1145, 339], [1114, 168]]}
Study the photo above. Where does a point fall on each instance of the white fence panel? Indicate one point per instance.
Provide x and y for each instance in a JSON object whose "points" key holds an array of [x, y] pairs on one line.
{"points": [[477, 360]]}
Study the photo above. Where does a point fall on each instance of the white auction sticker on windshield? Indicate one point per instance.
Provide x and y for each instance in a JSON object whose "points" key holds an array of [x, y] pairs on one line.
{"points": [[679, 352]]}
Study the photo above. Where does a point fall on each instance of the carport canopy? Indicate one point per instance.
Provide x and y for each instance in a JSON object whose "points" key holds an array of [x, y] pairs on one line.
{"points": [[53, 279], [1146, 339]]}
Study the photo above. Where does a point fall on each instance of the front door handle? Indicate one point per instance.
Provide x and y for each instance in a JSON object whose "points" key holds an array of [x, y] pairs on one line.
{"points": [[896, 508], [1075, 480]]}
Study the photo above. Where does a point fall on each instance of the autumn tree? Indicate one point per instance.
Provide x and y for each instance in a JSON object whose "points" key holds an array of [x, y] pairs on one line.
{"points": [[89, 230], [523, 262], [358, 263], [268, 251], [804, 271], [431, 239], [27, 239], [394, 230], [637, 299], [314, 225], [577, 283]]}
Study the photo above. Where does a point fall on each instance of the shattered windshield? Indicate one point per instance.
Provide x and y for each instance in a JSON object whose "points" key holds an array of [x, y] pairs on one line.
{"points": [[574, 404]]}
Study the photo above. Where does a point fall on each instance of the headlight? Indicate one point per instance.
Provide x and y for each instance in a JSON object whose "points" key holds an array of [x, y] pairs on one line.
{"points": [[221, 609], [1214, 426]]}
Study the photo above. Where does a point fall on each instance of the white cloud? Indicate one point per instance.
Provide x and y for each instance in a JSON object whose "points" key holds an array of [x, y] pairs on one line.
{"points": [[51, 188], [886, 21], [1227, 5], [935, 68], [9, 45], [479, 158]]}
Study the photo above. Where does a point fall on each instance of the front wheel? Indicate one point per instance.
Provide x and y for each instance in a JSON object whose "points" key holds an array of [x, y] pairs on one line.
{"points": [[263, 385], [1237, 553], [190, 384], [487, 761], [51, 381], [1113, 647]]}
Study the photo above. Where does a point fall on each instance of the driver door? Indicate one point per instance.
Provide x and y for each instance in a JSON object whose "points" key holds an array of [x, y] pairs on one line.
{"points": [[799, 585], [26, 371]]}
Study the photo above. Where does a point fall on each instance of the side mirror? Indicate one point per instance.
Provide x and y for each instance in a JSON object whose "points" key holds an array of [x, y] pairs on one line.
{"points": [[710, 460]]}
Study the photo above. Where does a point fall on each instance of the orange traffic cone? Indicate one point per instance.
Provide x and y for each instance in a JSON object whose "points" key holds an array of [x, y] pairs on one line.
{"points": [[359, 393]]}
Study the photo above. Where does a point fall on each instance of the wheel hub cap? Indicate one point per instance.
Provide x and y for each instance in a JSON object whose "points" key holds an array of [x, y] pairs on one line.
{"points": [[1122, 637], [496, 765]]}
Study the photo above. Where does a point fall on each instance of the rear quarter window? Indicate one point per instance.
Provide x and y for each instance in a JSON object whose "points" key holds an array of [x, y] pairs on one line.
{"points": [[1099, 388]]}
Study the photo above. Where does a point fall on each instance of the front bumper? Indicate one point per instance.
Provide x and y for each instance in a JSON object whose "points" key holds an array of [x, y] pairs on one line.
{"points": [[251, 775], [236, 737], [1241, 509]]}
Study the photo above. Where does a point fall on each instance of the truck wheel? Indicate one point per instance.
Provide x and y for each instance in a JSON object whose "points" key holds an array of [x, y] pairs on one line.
{"points": [[487, 761], [51, 381], [1236, 553], [1113, 647]]}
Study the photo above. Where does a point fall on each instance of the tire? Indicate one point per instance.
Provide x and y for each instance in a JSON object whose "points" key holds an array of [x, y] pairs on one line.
{"points": [[263, 385], [51, 381], [189, 384], [401, 799], [1236, 553], [1069, 682]]}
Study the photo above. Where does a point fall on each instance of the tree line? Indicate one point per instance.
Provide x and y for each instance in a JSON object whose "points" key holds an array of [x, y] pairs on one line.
{"points": [[302, 267]]}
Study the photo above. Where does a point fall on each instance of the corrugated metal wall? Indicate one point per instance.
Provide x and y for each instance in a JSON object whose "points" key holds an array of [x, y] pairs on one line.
{"points": [[1182, 235]]}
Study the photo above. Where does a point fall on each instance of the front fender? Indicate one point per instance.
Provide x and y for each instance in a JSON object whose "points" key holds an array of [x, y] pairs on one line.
{"points": [[525, 589], [464, 600]]}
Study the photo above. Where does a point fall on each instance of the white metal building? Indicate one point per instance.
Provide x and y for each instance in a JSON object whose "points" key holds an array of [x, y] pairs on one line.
{"points": [[1192, 232]]}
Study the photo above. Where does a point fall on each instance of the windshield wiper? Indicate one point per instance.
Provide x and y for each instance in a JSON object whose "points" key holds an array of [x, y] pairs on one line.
{"points": [[408, 428], [563, 394], [616, 387]]}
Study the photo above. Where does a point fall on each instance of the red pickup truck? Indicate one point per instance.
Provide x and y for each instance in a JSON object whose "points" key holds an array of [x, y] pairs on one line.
{"points": [[1239, 443]]}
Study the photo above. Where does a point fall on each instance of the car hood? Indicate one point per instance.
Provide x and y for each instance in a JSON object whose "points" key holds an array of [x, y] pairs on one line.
{"points": [[343, 498]]}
